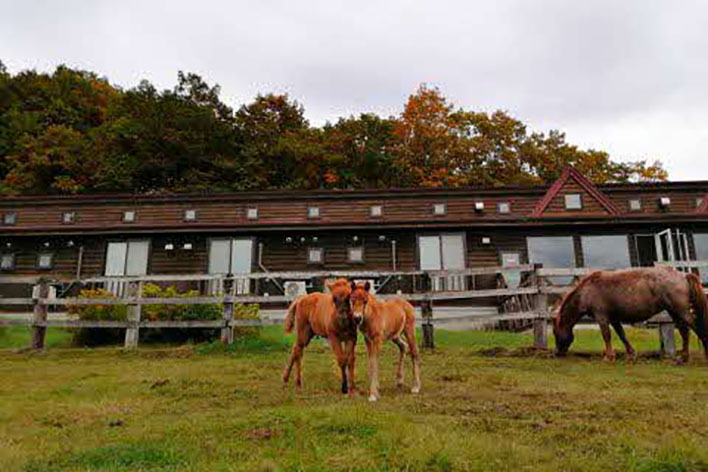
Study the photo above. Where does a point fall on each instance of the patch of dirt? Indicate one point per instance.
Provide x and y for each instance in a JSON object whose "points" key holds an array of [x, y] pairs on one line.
{"points": [[452, 378], [516, 352], [263, 434]]}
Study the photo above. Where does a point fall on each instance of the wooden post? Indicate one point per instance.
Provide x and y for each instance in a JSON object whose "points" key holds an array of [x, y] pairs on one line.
{"points": [[540, 324], [426, 310], [39, 314], [666, 334], [132, 333], [227, 332]]}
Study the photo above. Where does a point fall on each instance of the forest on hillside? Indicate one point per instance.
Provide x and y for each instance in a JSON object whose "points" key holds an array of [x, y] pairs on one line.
{"points": [[72, 131]]}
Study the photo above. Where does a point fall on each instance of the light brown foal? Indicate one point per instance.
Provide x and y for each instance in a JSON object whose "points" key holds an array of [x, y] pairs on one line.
{"points": [[327, 315], [382, 321]]}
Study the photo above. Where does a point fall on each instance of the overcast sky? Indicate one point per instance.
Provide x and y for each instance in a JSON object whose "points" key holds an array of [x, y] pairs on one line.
{"points": [[629, 77]]}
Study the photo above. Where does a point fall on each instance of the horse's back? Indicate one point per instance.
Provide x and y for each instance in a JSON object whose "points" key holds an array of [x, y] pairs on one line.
{"points": [[634, 294], [316, 309]]}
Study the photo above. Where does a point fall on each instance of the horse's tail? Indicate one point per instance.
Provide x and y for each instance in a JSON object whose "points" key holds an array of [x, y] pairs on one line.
{"points": [[290, 315], [698, 302]]}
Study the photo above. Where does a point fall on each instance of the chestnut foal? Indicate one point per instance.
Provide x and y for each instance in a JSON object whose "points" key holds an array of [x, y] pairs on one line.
{"points": [[327, 315], [382, 321]]}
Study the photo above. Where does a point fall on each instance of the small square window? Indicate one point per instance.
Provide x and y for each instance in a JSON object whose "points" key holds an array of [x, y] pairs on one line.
{"points": [[68, 217], [504, 207], [9, 218], [129, 216], [635, 204], [7, 262], [573, 201], [315, 255], [44, 260], [190, 215], [376, 210], [439, 209], [252, 213], [313, 212], [356, 254]]}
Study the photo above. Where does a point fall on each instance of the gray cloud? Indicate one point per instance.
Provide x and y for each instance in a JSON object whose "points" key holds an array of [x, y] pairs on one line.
{"points": [[623, 76]]}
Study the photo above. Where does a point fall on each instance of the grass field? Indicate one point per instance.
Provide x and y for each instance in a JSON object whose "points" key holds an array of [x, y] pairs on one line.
{"points": [[486, 404]]}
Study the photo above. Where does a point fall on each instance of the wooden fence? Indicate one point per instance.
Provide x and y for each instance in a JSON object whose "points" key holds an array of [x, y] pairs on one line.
{"points": [[528, 301]]}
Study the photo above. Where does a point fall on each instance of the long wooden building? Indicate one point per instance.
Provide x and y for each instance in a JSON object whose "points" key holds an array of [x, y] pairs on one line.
{"points": [[572, 223]]}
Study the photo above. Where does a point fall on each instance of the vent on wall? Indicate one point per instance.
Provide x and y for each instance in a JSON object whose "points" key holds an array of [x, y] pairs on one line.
{"points": [[294, 288]]}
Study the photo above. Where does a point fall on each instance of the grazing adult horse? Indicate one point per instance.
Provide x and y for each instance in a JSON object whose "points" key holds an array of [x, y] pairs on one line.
{"points": [[632, 296], [382, 321], [327, 315]]}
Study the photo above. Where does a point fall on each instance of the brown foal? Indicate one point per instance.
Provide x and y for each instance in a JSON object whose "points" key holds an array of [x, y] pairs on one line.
{"points": [[382, 321], [327, 315]]}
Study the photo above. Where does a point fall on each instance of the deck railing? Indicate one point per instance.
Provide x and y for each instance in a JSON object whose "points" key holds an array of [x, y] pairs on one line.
{"points": [[528, 301]]}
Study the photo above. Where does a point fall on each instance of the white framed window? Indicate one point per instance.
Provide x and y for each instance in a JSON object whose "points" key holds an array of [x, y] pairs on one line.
{"points": [[231, 256], [635, 204], [45, 260], [9, 218], [7, 261], [376, 210], [504, 207], [68, 217], [190, 215], [355, 254], [439, 209], [129, 216], [252, 213], [127, 258], [315, 255], [443, 252], [313, 212], [573, 201]]}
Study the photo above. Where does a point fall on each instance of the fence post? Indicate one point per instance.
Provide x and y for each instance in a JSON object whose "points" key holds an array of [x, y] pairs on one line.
{"points": [[39, 314], [227, 331], [426, 310], [540, 323], [668, 343], [132, 333]]}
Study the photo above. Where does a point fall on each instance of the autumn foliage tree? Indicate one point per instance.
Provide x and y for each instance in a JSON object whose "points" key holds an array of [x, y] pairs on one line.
{"points": [[72, 131]]}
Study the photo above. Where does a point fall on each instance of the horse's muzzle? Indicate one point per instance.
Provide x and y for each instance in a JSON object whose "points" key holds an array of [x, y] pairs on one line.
{"points": [[358, 319]]}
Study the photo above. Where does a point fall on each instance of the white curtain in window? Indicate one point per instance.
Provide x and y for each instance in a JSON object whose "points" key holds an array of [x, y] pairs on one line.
{"points": [[115, 258], [137, 261], [429, 249], [241, 256], [453, 251], [219, 256]]}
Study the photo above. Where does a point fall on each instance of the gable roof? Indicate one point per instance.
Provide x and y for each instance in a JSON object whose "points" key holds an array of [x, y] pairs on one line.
{"points": [[570, 173]]}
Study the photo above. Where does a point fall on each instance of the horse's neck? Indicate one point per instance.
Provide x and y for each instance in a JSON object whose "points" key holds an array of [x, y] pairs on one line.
{"points": [[570, 308]]}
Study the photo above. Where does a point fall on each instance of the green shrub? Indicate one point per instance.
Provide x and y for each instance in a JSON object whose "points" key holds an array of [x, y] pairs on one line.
{"points": [[97, 336], [201, 312]]}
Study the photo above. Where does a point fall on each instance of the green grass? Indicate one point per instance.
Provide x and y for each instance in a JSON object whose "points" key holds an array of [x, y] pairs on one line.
{"points": [[206, 408]]}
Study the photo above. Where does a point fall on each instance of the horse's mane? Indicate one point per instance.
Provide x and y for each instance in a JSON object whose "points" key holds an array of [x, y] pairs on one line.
{"points": [[570, 297]]}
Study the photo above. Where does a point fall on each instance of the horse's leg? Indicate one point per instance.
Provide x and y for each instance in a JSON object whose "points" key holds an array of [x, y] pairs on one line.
{"points": [[401, 355], [607, 337], [342, 360], [306, 336], [415, 355], [685, 341], [372, 350], [350, 349], [619, 329]]}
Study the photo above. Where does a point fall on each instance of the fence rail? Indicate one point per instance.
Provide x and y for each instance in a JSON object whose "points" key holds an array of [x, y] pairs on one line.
{"points": [[527, 302]]}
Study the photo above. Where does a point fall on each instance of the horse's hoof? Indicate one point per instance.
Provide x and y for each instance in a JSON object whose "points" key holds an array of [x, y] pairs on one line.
{"points": [[415, 390], [372, 398]]}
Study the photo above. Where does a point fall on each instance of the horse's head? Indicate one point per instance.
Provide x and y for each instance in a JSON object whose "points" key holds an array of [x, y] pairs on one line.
{"points": [[358, 300], [340, 291], [562, 332]]}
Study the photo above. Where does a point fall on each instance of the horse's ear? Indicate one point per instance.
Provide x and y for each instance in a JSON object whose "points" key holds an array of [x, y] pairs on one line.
{"points": [[329, 284], [367, 286], [352, 284]]}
